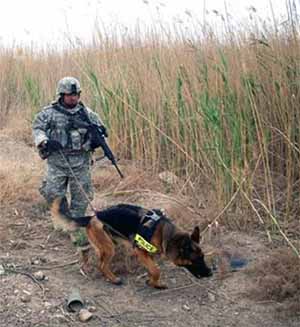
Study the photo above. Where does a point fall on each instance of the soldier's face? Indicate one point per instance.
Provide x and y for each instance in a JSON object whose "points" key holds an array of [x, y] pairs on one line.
{"points": [[71, 100]]}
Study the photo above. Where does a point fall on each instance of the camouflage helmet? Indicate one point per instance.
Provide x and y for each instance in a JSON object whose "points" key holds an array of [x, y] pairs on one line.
{"points": [[68, 85]]}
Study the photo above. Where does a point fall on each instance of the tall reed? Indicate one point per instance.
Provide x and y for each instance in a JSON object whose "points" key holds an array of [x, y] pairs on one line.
{"points": [[226, 108]]}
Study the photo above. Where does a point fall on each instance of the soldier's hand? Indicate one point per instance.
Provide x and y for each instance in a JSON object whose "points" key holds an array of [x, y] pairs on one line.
{"points": [[104, 130], [53, 145]]}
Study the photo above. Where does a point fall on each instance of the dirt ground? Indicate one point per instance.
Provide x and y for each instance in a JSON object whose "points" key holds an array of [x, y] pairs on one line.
{"points": [[29, 244]]}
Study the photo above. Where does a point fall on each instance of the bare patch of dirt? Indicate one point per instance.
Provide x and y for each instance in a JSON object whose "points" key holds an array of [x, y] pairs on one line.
{"points": [[29, 244], [277, 278]]}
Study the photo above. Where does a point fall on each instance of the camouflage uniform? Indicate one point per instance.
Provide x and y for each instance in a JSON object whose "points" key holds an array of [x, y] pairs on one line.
{"points": [[51, 124]]}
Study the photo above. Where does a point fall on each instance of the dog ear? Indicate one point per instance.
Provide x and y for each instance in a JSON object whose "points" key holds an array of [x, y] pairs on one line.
{"points": [[195, 236]]}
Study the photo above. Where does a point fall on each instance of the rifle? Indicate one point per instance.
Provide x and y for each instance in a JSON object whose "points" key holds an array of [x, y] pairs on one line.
{"points": [[98, 134]]}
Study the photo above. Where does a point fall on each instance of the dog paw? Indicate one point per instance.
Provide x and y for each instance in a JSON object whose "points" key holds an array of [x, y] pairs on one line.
{"points": [[161, 287], [87, 269], [118, 281], [156, 285]]}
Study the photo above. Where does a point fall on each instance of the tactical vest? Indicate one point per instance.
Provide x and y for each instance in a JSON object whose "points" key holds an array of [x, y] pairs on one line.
{"points": [[69, 128]]}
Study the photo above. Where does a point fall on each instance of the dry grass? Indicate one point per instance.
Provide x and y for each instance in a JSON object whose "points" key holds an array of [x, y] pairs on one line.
{"points": [[106, 178], [20, 167], [19, 183], [277, 279], [18, 128]]}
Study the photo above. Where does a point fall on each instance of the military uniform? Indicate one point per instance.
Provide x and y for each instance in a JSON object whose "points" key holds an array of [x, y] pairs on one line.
{"points": [[50, 124], [56, 123]]}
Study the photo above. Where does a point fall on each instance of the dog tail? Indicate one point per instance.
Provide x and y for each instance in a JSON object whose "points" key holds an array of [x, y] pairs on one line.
{"points": [[62, 218]]}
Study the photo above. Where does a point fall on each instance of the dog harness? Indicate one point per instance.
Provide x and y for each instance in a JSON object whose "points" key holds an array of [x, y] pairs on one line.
{"points": [[146, 230]]}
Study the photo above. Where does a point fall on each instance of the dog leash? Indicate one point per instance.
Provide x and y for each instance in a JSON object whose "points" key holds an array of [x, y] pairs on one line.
{"points": [[77, 181], [87, 197]]}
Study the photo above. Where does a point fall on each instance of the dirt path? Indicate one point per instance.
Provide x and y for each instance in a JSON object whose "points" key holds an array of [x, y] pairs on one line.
{"points": [[29, 244]]}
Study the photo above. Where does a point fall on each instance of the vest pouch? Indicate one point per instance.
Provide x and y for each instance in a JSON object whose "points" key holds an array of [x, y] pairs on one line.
{"points": [[75, 137]]}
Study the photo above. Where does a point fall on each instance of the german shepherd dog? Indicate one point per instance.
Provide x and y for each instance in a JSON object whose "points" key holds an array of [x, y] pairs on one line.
{"points": [[123, 220]]}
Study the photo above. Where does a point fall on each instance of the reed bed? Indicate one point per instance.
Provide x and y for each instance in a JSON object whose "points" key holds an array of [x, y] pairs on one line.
{"points": [[220, 110]]}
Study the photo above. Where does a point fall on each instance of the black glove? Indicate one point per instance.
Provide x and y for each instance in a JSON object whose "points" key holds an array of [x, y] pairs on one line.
{"points": [[47, 147], [51, 146]]}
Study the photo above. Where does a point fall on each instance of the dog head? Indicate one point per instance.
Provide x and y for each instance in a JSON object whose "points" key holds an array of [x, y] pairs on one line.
{"points": [[186, 252]]}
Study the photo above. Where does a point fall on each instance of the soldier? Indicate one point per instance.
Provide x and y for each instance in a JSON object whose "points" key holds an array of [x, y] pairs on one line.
{"points": [[62, 137]]}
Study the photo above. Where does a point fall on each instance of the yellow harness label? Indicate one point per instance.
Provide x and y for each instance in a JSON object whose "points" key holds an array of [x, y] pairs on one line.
{"points": [[142, 243]]}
